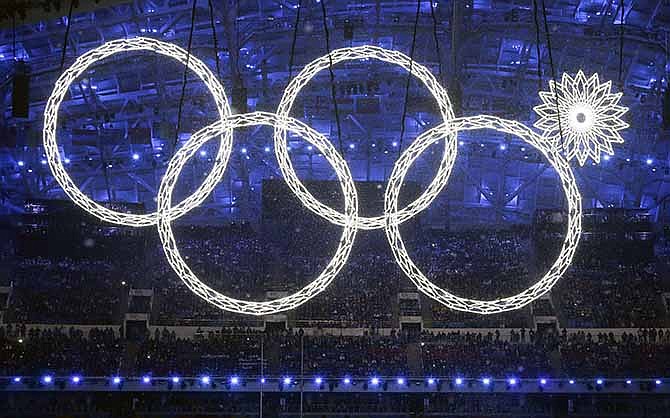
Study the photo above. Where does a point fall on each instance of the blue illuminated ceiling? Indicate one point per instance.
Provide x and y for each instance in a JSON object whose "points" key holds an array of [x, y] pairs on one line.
{"points": [[488, 53]]}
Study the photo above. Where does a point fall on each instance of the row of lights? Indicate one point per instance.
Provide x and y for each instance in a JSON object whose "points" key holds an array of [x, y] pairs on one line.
{"points": [[374, 381]]}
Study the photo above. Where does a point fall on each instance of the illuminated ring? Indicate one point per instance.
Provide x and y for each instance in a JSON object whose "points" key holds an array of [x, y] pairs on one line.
{"points": [[568, 183], [77, 69], [346, 240], [393, 57]]}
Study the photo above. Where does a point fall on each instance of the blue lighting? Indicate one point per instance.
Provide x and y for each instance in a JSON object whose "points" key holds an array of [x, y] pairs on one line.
{"points": [[606, 157], [347, 380], [543, 382], [267, 149], [21, 163], [203, 153], [318, 380], [629, 382], [175, 379], [431, 381], [394, 143], [287, 380], [658, 382], [76, 379], [67, 161], [47, 379], [17, 379], [309, 147], [459, 381], [244, 150], [572, 382], [116, 380], [136, 156], [352, 146], [234, 380], [512, 382], [146, 379], [650, 161], [503, 147], [262, 380], [599, 381], [486, 381], [401, 381], [43, 161], [205, 380], [375, 381], [461, 143]]}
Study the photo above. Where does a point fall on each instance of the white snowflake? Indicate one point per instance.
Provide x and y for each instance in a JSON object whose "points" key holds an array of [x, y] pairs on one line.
{"points": [[590, 117]]}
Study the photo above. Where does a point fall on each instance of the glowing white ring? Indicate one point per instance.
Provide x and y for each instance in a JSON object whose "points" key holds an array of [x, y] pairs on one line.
{"points": [[346, 240], [393, 57], [557, 269], [77, 69]]}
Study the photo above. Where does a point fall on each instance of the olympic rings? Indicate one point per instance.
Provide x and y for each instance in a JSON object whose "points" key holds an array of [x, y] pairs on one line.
{"points": [[346, 240], [557, 269], [393, 57], [77, 69], [349, 219]]}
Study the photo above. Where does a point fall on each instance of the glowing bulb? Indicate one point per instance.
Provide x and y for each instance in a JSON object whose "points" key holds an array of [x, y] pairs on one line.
{"points": [[347, 381], [76, 379], [47, 379], [203, 153], [175, 379], [318, 380], [543, 381], [599, 381], [205, 380], [486, 381], [512, 381], [459, 381], [375, 381], [234, 380], [17, 380], [146, 379], [287, 380], [401, 381], [21, 163], [116, 380]]}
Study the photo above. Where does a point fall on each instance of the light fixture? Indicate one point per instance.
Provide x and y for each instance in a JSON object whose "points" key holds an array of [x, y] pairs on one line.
{"points": [[234, 380], [146, 379], [205, 380], [116, 380], [318, 380], [47, 379], [75, 379]]}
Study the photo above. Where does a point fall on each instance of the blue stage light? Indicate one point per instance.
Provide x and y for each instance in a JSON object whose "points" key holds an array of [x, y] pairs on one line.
{"points": [[175, 379], [116, 380], [512, 381], [287, 380], [267, 149], [43, 161], [459, 381], [146, 379], [244, 150], [431, 381], [486, 381], [21, 163], [352, 146], [234, 380], [47, 379], [75, 379], [205, 380], [629, 382], [203, 153], [309, 147], [67, 161], [572, 382], [658, 382], [543, 382], [374, 381], [503, 147], [263, 380], [401, 381], [17, 379], [394, 143], [461, 143], [606, 157], [347, 380], [599, 381], [650, 161]]}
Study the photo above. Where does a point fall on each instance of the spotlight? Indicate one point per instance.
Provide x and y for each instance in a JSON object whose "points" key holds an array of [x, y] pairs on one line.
{"points": [[543, 382], [309, 147], [116, 380], [606, 157], [234, 380], [146, 380], [67, 161], [318, 380], [352, 146], [244, 150], [629, 382], [374, 381], [47, 379], [512, 381], [76, 379], [650, 161], [287, 380], [503, 147], [599, 381], [459, 381], [461, 143], [394, 143], [21, 163], [347, 381], [263, 380], [658, 382], [401, 381], [175, 379], [267, 149], [486, 381], [431, 381], [203, 153], [572, 382], [17, 379], [205, 380], [43, 161]]}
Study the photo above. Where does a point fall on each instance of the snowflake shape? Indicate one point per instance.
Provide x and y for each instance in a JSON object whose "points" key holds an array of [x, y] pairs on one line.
{"points": [[589, 114]]}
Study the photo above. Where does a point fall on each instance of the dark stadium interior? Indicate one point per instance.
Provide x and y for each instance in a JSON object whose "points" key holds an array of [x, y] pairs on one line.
{"points": [[95, 321]]}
